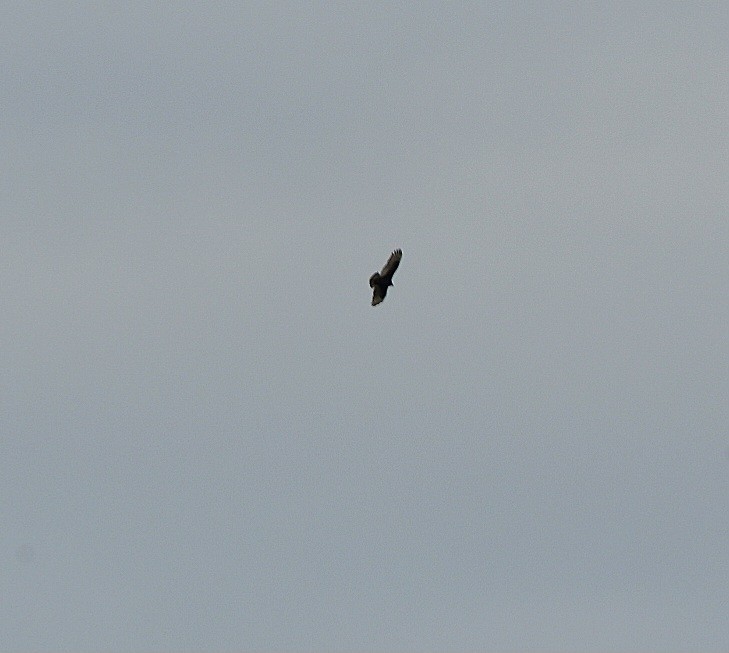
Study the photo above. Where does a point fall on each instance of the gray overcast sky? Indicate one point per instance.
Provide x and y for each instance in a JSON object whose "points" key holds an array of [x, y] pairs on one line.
{"points": [[210, 439]]}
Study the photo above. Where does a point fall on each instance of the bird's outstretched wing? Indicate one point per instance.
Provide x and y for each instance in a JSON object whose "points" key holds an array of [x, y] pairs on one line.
{"points": [[378, 294], [391, 264]]}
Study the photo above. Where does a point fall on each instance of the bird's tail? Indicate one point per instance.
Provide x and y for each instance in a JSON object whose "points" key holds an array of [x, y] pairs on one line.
{"points": [[374, 279]]}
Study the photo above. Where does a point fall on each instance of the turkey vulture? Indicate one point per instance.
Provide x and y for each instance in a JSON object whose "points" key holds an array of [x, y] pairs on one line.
{"points": [[381, 281]]}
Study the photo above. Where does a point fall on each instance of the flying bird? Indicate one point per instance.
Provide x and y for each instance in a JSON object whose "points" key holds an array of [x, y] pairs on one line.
{"points": [[381, 281]]}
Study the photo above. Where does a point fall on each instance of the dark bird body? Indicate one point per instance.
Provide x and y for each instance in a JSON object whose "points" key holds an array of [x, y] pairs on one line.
{"points": [[381, 281]]}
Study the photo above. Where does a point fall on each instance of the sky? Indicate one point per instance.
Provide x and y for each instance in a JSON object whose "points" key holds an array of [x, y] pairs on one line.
{"points": [[209, 440]]}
